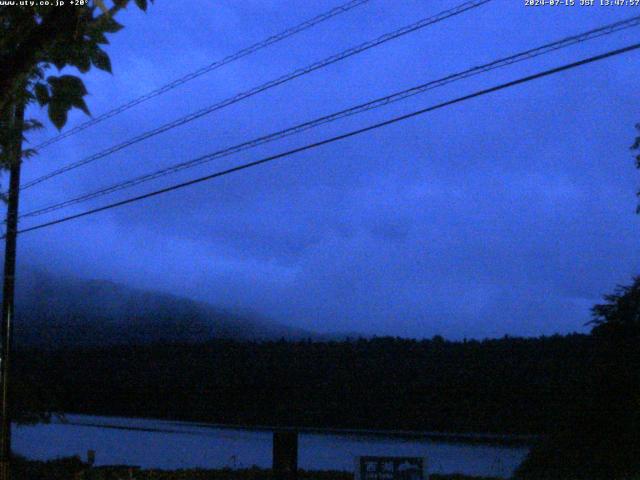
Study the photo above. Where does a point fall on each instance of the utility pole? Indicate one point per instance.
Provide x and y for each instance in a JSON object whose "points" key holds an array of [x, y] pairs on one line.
{"points": [[285, 455], [14, 149]]}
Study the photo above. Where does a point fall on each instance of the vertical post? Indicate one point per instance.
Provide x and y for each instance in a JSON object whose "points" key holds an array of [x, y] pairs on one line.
{"points": [[285, 455], [14, 148]]}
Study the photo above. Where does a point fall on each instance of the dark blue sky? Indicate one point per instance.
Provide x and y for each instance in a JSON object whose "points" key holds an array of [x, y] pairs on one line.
{"points": [[508, 214]]}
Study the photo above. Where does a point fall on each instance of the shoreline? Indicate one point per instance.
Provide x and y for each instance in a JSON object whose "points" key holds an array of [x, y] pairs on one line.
{"points": [[515, 440]]}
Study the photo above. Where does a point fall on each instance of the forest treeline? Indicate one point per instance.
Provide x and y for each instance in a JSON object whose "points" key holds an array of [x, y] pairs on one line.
{"points": [[507, 385]]}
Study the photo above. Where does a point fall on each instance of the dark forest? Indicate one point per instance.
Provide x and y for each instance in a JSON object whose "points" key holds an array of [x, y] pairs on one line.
{"points": [[509, 385]]}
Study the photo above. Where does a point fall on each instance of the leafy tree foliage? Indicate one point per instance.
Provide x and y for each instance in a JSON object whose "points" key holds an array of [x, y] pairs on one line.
{"points": [[620, 315], [35, 39], [602, 441]]}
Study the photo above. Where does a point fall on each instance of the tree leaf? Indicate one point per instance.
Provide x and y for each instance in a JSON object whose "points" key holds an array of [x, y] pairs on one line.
{"points": [[79, 103], [42, 93], [101, 6], [67, 85], [59, 62], [67, 91], [83, 63], [32, 124], [109, 25], [99, 37], [58, 114], [101, 60], [29, 152], [142, 4]]}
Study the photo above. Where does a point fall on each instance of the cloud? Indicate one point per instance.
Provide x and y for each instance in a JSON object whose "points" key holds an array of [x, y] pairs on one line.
{"points": [[511, 213]]}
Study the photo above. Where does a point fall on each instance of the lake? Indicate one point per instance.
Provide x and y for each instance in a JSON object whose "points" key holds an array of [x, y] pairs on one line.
{"points": [[172, 445]]}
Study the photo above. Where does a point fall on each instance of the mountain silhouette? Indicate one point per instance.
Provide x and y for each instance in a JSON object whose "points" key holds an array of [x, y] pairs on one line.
{"points": [[55, 312]]}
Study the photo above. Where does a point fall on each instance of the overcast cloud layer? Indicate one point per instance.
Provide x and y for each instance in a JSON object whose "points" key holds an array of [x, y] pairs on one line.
{"points": [[508, 214]]}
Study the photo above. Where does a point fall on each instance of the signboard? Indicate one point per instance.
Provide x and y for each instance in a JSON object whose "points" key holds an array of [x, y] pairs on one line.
{"points": [[391, 468]]}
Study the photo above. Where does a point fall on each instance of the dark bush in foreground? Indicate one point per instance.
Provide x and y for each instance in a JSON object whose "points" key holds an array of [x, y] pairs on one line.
{"points": [[60, 469], [72, 468], [601, 440]]}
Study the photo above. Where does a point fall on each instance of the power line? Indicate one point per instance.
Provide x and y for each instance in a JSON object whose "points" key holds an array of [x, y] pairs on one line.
{"points": [[379, 102], [213, 66], [265, 86], [352, 133]]}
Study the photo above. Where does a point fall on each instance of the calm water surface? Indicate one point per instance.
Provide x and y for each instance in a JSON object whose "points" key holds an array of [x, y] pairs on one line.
{"points": [[172, 445]]}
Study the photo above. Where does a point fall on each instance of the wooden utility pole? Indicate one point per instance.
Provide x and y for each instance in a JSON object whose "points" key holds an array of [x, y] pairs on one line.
{"points": [[14, 149], [285, 455]]}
